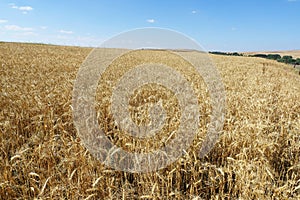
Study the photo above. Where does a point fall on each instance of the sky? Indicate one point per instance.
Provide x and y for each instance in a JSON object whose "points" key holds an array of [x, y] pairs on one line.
{"points": [[217, 25]]}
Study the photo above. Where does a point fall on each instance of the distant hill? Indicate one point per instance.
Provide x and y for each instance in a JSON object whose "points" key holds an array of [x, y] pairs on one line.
{"points": [[294, 53]]}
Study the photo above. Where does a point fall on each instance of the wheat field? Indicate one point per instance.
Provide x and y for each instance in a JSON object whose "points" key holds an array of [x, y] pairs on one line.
{"points": [[42, 156]]}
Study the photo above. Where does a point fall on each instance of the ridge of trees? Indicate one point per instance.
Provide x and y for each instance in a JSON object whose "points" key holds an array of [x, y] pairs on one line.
{"points": [[226, 53], [283, 59]]}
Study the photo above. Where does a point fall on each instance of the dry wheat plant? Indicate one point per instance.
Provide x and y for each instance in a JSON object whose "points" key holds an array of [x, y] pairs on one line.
{"points": [[41, 155]]}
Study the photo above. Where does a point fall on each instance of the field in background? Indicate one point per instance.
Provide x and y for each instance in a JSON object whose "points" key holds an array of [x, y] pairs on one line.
{"points": [[257, 156], [294, 53]]}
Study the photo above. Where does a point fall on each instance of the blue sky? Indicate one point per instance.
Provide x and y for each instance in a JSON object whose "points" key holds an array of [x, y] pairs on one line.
{"points": [[224, 25]]}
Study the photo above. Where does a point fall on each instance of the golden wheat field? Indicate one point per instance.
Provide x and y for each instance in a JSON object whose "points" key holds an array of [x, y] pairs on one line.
{"points": [[42, 157]]}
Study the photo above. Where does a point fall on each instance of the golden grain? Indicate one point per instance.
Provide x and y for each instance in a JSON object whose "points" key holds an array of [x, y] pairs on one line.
{"points": [[257, 156]]}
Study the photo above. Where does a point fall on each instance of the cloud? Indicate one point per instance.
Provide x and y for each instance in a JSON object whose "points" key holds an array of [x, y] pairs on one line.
{"points": [[150, 21], [30, 33], [194, 12], [24, 9], [233, 28], [2, 21], [17, 28], [292, 0], [43, 27], [12, 5], [66, 32]]}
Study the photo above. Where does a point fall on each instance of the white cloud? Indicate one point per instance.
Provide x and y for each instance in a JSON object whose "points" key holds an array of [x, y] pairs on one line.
{"points": [[24, 9], [30, 33], [12, 5], [150, 21], [66, 32], [43, 27], [233, 28], [17, 28], [2, 21], [194, 12]]}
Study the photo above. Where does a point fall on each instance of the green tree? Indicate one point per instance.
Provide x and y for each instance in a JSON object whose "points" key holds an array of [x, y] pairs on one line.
{"points": [[287, 57], [274, 56], [260, 55], [287, 60], [236, 54]]}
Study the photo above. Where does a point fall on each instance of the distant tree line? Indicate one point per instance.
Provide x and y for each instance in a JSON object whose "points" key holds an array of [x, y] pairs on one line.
{"points": [[277, 57], [226, 53], [283, 59]]}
